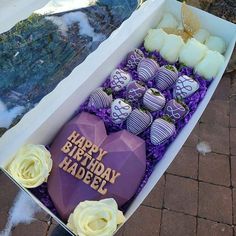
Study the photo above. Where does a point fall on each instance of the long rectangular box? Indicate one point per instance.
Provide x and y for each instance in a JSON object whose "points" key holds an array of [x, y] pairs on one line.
{"points": [[40, 125]]}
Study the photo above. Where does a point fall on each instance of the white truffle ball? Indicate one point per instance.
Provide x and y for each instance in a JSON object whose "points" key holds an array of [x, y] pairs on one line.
{"points": [[168, 21], [202, 35], [154, 39], [216, 44], [192, 52], [210, 65], [171, 48]]}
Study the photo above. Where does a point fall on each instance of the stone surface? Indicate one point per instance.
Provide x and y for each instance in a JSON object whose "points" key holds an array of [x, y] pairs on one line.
{"points": [[126, 154], [193, 137], [217, 113], [181, 194], [177, 224], [223, 90], [186, 163], [214, 168], [233, 171], [36, 228], [155, 198], [233, 141], [218, 138], [146, 221], [210, 228], [8, 192], [233, 111], [234, 205], [215, 203]]}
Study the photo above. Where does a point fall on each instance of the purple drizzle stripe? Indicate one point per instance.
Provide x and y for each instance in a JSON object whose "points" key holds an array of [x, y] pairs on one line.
{"points": [[165, 78], [161, 130], [100, 99], [147, 69]]}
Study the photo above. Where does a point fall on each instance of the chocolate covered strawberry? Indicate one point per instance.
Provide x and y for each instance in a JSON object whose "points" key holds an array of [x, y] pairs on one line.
{"points": [[153, 100], [147, 69], [119, 79], [184, 87], [176, 109], [166, 77], [138, 121], [120, 110], [135, 91], [100, 98], [133, 58], [161, 130]]}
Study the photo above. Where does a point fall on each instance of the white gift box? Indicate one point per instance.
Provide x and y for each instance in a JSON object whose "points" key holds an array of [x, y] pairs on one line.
{"points": [[40, 125]]}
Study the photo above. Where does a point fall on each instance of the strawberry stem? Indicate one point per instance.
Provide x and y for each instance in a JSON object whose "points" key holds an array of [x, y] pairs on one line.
{"points": [[168, 119]]}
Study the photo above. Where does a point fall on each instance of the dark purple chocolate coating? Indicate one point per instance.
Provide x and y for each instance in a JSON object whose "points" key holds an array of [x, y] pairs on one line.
{"points": [[126, 154]]}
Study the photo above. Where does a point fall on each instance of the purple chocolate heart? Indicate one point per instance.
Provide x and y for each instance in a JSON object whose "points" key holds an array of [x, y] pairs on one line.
{"points": [[82, 170]]}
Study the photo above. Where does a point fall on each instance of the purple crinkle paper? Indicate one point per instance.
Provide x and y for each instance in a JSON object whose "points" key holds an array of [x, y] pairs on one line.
{"points": [[154, 153]]}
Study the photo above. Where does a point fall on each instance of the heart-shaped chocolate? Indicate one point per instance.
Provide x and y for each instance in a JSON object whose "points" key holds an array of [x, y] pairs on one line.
{"points": [[88, 164]]}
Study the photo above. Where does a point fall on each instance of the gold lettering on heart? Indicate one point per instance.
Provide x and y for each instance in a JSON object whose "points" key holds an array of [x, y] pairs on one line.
{"points": [[83, 160]]}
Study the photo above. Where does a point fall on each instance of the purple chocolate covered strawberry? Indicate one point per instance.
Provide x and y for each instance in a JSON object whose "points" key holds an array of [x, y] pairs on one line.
{"points": [[161, 130], [135, 90], [120, 110], [133, 58], [119, 79], [175, 109], [184, 87], [153, 100], [138, 121], [100, 98], [147, 69], [166, 77]]}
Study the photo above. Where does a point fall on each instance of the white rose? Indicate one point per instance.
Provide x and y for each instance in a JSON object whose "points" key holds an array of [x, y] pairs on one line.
{"points": [[171, 48], [31, 165], [95, 218], [154, 39]]}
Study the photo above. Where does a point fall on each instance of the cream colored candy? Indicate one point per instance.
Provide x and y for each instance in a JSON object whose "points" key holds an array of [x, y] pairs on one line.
{"points": [[215, 43], [154, 39], [202, 35], [96, 218], [168, 21], [171, 48], [192, 52], [31, 165], [210, 64]]}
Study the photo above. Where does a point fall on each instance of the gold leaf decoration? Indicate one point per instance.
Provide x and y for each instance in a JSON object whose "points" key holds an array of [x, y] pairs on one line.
{"points": [[190, 21], [185, 36]]}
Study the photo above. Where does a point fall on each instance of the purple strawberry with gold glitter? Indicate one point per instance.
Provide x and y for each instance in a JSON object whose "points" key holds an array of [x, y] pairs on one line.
{"points": [[154, 100], [166, 77], [147, 69], [175, 109], [184, 87], [161, 130], [133, 58], [120, 110], [119, 79], [135, 90], [138, 121], [99, 98]]}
